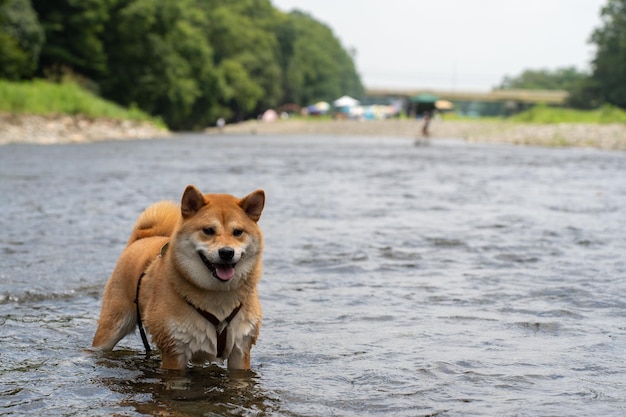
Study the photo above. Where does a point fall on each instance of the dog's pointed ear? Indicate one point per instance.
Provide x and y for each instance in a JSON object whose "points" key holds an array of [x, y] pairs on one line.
{"points": [[253, 204], [192, 201]]}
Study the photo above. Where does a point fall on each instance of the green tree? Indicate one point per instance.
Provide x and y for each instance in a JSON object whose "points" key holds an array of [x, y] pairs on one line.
{"points": [[160, 60], [187, 61], [609, 65], [543, 79], [585, 94], [316, 66], [241, 34], [21, 39], [73, 31], [239, 93]]}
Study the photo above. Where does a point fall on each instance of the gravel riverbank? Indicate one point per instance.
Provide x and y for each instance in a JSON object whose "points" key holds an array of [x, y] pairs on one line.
{"points": [[36, 129], [79, 129], [609, 136]]}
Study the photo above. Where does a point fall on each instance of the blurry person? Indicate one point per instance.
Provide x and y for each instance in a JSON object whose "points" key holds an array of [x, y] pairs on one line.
{"points": [[220, 124], [426, 124]]}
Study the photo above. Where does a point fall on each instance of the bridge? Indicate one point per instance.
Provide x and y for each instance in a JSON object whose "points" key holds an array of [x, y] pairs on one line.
{"points": [[471, 103], [551, 97]]}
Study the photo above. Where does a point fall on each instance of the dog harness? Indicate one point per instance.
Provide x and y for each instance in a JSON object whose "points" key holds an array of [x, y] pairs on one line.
{"points": [[221, 327], [142, 332]]}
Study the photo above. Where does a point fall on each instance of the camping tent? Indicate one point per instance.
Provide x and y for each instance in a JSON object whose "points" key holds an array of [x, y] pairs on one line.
{"points": [[346, 101], [270, 115], [321, 107]]}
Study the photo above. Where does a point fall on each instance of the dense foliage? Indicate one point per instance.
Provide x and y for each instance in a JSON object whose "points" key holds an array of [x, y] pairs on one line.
{"points": [[559, 79], [186, 61], [21, 39], [608, 78]]}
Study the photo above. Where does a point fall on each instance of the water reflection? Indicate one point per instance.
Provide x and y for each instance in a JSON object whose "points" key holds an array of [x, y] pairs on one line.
{"points": [[199, 391]]}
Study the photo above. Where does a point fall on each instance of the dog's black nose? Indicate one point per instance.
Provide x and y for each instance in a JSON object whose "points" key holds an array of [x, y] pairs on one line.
{"points": [[226, 253]]}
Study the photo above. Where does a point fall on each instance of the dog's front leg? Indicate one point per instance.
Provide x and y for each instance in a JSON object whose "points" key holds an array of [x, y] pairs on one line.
{"points": [[239, 358], [173, 361]]}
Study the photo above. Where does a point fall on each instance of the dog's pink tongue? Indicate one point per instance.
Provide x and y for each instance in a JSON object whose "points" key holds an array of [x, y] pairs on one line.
{"points": [[224, 272]]}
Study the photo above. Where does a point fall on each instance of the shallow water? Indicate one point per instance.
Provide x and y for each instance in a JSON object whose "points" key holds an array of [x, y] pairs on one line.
{"points": [[399, 280]]}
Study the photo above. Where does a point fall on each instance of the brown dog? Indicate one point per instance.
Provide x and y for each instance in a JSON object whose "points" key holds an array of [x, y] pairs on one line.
{"points": [[190, 275]]}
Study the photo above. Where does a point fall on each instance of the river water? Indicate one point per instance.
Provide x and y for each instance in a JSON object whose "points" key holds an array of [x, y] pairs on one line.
{"points": [[450, 279]]}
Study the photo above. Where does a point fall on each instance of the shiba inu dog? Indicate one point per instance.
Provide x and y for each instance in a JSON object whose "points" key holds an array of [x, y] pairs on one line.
{"points": [[189, 273]]}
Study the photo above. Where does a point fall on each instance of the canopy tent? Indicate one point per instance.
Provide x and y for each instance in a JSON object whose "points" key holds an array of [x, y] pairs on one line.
{"points": [[346, 101], [424, 98]]}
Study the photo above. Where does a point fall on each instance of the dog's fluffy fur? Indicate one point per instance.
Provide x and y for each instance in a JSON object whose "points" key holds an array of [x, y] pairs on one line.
{"points": [[204, 254]]}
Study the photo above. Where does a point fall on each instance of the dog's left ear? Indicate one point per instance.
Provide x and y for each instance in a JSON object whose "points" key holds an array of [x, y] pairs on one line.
{"points": [[192, 201], [253, 204]]}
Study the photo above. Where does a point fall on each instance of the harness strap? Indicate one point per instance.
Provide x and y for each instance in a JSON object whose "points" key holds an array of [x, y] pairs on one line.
{"points": [[221, 327], [142, 332], [144, 339]]}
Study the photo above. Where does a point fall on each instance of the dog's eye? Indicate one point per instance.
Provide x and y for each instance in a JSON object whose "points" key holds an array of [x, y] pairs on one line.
{"points": [[209, 231], [237, 232]]}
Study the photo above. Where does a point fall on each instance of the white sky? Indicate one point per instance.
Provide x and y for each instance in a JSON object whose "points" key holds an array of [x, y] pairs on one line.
{"points": [[457, 44]]}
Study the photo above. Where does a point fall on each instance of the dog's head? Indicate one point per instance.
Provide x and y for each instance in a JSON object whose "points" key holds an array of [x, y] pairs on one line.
{"points": [[219, 242]]}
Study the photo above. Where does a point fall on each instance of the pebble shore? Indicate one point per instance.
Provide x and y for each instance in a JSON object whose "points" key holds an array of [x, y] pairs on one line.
{"points": [[37, 129], [609, 136], [45, 130]]}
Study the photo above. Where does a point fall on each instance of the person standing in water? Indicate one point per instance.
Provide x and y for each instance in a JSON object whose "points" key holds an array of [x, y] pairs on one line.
{"points": [[427, 119], [423, 139]]}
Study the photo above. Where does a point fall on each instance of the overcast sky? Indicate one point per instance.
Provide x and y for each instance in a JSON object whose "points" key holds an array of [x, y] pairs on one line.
{"points": [[457, 44]]}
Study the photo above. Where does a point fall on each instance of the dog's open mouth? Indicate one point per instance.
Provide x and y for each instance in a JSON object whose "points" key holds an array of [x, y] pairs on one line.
{"points": [[223, 272]]}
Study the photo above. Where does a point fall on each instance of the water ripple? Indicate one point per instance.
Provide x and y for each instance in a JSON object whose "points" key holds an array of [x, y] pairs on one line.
{"points": [[451, 279]]}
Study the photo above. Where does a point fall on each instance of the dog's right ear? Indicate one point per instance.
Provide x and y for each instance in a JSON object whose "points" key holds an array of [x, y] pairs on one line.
{"points": [[192, 201]]}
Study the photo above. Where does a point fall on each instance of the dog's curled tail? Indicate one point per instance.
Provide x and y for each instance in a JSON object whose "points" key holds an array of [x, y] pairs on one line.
{"points": [[159, 219]]}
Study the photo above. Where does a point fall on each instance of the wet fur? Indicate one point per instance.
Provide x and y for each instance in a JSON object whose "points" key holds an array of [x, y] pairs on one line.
{"points": [[176, 276]]}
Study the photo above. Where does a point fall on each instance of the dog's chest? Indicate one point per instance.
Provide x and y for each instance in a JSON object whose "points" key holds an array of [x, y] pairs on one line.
{"points": [[198, 335]]}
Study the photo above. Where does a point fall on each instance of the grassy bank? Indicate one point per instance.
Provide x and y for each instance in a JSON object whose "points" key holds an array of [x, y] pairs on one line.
{"points": [[40, 97], [550, 115]]}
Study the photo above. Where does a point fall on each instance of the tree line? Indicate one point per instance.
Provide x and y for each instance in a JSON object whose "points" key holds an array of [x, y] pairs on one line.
{"points": [[605, 83], [189, 62]]}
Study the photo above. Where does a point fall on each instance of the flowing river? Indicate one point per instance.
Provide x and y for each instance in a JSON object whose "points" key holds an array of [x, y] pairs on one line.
{"points": [[400, 280]]}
